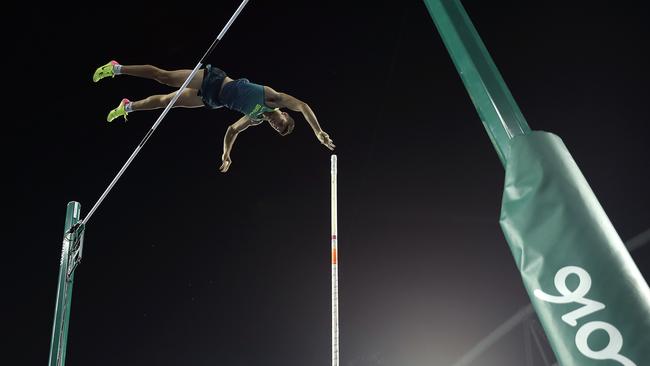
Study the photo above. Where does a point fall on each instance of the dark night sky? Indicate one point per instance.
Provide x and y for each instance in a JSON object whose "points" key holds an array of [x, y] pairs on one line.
{"points": [[186, 266]]}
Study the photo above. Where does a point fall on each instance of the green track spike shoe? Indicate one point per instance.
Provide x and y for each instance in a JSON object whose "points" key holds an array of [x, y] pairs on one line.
{"points": [[119, 111], [105, 71]]}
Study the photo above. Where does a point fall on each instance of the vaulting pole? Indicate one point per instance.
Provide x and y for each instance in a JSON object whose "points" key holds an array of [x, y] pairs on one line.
{"points": [[335, 269]]}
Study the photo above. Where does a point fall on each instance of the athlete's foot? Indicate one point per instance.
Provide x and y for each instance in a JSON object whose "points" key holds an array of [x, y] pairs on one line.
{"points": [[119, 111], [105, 71]]}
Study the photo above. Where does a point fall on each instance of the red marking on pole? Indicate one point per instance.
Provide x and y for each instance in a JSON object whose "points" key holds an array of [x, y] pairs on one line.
{"points": [[333, 255], [333, 237]]}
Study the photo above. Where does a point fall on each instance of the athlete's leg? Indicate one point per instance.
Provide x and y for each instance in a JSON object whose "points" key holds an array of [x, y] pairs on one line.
{"points": [[187, 99], [174, 78]]}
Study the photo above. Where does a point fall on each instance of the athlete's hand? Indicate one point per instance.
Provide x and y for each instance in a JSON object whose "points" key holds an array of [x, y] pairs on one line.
{"points": [[225, 164], [325, 139]]}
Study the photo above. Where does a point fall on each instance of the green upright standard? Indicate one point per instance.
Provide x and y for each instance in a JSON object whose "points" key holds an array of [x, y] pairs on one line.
{"points": [[588, 293], [70, 257]]}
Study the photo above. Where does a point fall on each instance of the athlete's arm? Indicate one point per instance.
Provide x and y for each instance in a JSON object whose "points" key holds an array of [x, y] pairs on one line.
{"points": [[275, 99], [229, 139]]}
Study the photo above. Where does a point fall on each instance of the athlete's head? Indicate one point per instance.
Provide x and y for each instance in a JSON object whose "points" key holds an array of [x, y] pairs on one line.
{"points": [[280, 121]]}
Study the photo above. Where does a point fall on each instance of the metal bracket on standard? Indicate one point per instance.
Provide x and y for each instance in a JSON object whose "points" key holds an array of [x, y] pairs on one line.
{"points": [[75, 237]]}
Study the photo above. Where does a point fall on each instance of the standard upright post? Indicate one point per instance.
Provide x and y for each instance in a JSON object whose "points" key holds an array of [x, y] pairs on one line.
{"points": [[71, 245], [497, 108], [588, 293], [335, 271]]}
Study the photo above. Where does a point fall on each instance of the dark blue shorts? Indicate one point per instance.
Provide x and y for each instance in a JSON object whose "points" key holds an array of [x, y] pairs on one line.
{"points": [[211, 86]]}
